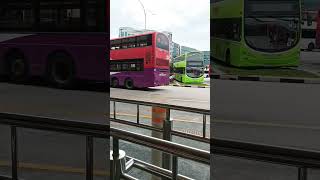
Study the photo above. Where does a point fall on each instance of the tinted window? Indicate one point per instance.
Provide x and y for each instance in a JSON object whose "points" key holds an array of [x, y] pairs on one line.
{"points": [[16, 16], [162, 42], [132, 42], [126, 65], [226, 29], [309, 33], [53, 15]]}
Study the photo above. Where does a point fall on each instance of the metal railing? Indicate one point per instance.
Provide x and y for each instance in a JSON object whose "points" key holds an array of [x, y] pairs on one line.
{"points": [[301, 159], [169, 162], [176, 150], [89, 130], [167, 129]]}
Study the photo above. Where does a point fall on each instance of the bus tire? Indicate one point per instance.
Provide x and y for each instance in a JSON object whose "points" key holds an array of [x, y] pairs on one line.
{"points": [[114, 82], [311, 46], [128, 83], [17, 67], [61, 71], [228, 61]]}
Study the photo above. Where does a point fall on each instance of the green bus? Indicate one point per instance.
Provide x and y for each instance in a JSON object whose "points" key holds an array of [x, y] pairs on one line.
{"points": [[256, 33], [189, 68]]}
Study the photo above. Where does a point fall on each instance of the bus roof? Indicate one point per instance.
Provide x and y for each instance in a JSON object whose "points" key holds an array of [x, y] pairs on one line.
{"points": [[147, 33]]}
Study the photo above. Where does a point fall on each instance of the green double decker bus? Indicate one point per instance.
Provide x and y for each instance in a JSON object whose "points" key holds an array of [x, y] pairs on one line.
{"points": [[189, 68], [256, 33]]}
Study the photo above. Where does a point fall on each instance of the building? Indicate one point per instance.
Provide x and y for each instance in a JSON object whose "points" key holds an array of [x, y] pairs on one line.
{"points": [[185, 49], [206, 57], [176, 51], [128, 31]]}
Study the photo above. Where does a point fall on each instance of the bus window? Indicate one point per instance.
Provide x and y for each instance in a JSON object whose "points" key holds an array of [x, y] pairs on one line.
{"points": [[162, 42], [16, 17]]}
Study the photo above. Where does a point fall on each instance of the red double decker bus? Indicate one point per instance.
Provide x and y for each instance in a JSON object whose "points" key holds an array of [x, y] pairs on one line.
{"points": [[140, 61], [61, 40]]}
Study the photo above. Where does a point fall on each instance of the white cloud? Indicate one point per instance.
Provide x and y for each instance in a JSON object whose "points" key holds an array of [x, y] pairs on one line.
{"points": [[188, 20]]}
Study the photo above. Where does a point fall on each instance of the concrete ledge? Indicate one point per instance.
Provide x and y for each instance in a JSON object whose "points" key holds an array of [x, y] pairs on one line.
{"points": [[267, 79]]}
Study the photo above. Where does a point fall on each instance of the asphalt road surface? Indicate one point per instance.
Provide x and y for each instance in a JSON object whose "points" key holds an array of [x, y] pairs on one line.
{"points": [[310, 61], [51, 155], [60, 155], [278, 114]]}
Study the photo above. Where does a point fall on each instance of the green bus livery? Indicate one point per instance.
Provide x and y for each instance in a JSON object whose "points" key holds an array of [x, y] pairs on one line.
{"points": [[256, 33], [189, 68]]}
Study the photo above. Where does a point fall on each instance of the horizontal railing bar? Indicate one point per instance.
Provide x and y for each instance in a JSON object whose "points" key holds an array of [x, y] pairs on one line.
{"points": [[51, 124], [191, 137], [155, 169], [128, 177], [143, 126], [175, 133], [162, 145], [266, 153], [5, 178], [168, 106]]}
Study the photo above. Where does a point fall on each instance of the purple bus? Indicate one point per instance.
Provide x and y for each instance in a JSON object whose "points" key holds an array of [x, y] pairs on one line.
{"points": [[62, 41]]}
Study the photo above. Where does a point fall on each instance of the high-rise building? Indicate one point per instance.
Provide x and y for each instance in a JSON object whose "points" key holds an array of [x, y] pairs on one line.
{"points": [[185, 49], [176, 51], [129, 31], [206, 57]]}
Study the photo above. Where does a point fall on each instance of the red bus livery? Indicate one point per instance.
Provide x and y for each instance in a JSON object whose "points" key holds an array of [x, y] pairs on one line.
{"points": [[140, 61]]}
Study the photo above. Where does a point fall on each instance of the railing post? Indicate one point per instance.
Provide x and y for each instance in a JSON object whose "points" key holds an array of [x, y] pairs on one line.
{"points": [[14, 153], [158, 118], [204, 130], [167, 128], [89, 158], [303, 173], [174, 167], [116, 171], [114, 110]]}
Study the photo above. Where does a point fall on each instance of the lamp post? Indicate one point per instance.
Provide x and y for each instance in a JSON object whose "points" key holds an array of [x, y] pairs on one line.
{"points": [[145, 15]]}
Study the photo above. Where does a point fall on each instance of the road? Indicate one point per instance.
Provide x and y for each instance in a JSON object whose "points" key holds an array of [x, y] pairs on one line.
{"points": [[88, 104], [279, 114], [57, 154], [310, 61], [181, 96]]}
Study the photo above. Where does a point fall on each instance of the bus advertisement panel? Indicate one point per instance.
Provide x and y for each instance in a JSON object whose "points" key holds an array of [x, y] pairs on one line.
{"points": [[254, 33], [140, 61], [62, 41]]}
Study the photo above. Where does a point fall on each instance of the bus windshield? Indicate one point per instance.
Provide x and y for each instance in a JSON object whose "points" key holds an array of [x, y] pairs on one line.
{"points": [[272, 26], [162, 41], [194, 67]]}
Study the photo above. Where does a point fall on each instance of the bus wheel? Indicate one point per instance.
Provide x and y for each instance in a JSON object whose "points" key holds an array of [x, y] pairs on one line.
{"points": [[311, 46], [61, 71], [17, 68], [128, 83], [114, 82], [228, 58]]}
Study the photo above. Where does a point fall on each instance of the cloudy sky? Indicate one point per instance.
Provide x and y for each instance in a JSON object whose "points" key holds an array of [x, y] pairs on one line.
{"points": [[188, 20]]}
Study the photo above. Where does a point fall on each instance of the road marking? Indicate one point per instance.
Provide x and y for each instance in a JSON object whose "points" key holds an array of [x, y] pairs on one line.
{"points": [[54, 168], [266, 124], [149, 117]]}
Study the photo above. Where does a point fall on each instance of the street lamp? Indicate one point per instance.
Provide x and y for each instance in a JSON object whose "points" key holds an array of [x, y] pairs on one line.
{"points": [[145, 15]]}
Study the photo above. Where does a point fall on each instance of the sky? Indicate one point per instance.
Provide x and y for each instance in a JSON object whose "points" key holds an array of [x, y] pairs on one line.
{"points": [[188, 20]]}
